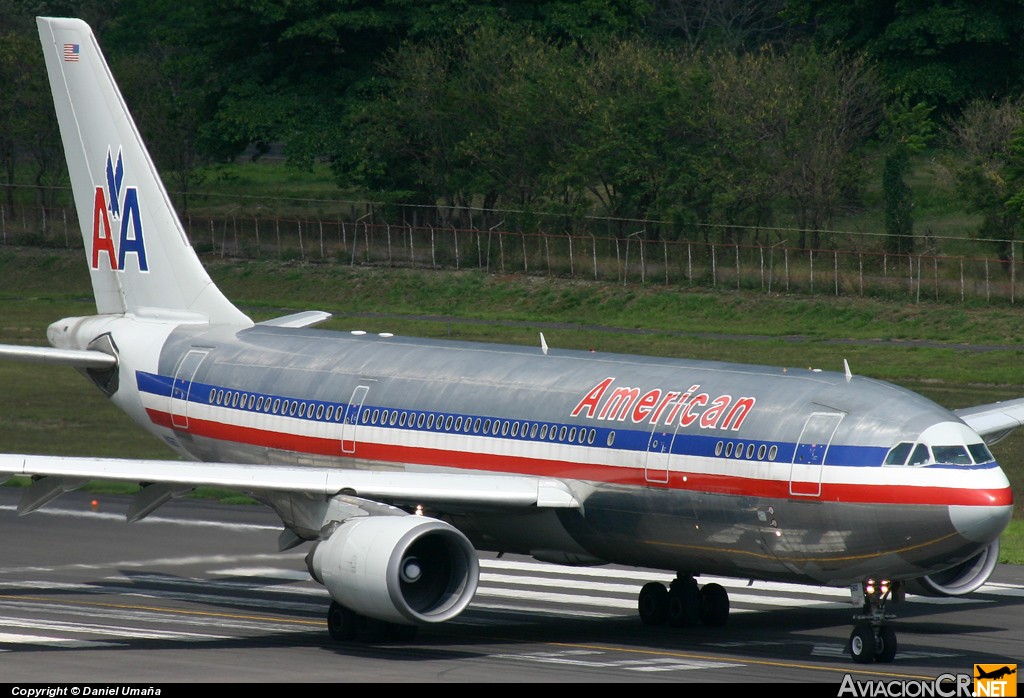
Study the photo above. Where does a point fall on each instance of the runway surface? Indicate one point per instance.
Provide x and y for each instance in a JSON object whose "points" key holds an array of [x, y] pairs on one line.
{"points": [[196, 592]]}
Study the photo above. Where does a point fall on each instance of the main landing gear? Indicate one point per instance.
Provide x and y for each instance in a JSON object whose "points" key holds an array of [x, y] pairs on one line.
{"points": [[345, 625], [683, 604], [872, 640]]}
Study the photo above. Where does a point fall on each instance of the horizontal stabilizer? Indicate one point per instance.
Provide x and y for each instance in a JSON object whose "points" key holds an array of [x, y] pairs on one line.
{"points": [[436, 489], [306, 318], [78, 358]]}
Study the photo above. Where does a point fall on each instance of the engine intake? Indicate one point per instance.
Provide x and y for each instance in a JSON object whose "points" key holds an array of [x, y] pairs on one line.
{"points": [[960, 579], [400, 569]]}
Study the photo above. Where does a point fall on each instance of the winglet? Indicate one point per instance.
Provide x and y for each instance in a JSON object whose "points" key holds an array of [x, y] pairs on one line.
{"points": [[543, 344]]}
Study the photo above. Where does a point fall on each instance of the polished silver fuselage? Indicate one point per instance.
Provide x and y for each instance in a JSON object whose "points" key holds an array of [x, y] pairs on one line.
{"points": [[700, 467]]}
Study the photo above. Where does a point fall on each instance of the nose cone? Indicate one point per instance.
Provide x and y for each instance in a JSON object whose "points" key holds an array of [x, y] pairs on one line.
{"points": [[981, 524]]}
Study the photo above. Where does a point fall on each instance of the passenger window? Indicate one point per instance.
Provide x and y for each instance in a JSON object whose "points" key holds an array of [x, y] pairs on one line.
{"points": [[773, 452]]}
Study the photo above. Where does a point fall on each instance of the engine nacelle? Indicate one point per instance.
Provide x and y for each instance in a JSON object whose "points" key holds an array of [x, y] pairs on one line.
{"points": [[960, 579], [400, 569]]}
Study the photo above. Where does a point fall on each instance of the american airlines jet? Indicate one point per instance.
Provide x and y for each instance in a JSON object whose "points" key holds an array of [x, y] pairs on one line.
{"points": [[398, 458]]}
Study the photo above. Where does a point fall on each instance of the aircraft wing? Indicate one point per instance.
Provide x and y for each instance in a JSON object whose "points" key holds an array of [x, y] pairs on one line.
{"points": [[54, 475], [994, 421], [77, 358]]}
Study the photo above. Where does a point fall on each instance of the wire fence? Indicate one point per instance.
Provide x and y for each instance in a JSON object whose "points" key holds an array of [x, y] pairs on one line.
{"points": [[780, 267]]}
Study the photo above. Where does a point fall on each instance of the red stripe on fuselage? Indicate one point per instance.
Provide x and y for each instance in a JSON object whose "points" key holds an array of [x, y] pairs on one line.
{"points": [[595, 472]]}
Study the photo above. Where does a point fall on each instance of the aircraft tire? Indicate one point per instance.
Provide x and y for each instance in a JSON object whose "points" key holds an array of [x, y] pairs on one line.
{"points": [[714, 605], [683, 603], [402, 633], [652, 604], [342, 622], [862, 644], [885, 650]]}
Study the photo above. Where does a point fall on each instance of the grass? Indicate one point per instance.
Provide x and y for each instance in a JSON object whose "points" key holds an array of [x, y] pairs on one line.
{"points": [[955, 354]]}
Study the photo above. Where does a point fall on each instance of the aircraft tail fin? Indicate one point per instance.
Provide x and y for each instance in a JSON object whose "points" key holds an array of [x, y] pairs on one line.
{"points": [[140, 260]]}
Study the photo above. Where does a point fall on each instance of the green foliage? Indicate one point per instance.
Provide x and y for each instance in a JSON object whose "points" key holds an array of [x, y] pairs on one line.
{"points": [[943, 52], [990, 175]]}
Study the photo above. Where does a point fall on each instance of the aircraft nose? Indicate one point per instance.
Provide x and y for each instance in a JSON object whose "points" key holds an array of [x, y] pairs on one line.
{"points": [[981, 524]]}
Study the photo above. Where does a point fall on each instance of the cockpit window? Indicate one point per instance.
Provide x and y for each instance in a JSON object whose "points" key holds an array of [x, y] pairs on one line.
{"points": [[919, 456], [898, 454], [980, 453], [955, 455]]}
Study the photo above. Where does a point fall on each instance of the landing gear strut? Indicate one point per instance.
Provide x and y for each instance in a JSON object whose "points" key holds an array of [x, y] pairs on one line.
{"points": [[683, 604], [872, 640]]}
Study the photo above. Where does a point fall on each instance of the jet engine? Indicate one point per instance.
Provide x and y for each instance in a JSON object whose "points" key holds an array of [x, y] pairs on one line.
{"points": [[960, 579], [400, 569]]}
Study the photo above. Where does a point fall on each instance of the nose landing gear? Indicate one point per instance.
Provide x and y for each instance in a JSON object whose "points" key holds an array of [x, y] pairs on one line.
{"points": [[872, 640]]}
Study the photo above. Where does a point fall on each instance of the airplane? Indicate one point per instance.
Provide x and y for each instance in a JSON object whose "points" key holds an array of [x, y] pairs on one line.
{"points": [[400, 459], [996, 673]]}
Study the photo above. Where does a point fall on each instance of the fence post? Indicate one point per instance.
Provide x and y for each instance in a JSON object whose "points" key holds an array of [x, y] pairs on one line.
{"points": [[412, 249], [961, 279], [593, 250], [810, 256], [918, 278], [321, 224], [835, 265], [737, 266], [689, 262], [64, 213], [455, 235], [433, 250], [761, 250], [714, 268], [1013, 272], [572, 262], [665, 246], [526, 265], [935, 274], [785, 256], [860, 264], [643, 263], [256, 224], [387, 230], [988, 289]]}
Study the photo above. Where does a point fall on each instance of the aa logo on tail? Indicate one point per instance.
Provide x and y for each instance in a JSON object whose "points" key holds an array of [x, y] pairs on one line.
{"points": [[114, 208]]}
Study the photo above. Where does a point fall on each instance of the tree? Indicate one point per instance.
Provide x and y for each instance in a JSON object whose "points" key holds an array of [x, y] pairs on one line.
{"points": [[791, 124], [906, 131], [989, 169], [941, 52]]}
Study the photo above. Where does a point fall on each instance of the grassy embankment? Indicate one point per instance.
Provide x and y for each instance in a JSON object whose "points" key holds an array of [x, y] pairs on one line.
{"points": [[958, 355]]}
